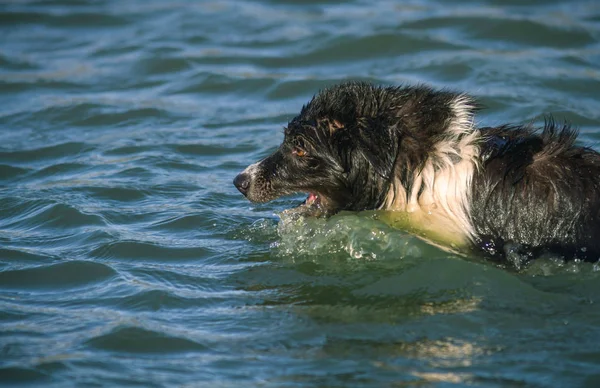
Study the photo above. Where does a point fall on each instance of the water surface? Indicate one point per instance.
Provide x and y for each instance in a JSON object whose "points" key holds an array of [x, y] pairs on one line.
{"points": [[128, 258]]}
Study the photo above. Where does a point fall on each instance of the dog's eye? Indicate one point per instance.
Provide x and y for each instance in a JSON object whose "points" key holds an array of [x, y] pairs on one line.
{"points": [[299, 152]]}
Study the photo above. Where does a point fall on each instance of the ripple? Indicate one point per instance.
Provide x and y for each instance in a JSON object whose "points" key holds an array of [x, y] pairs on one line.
{"points": [[132, 150], [61, 276], [22, 375], [191, 281], [210, 150], [121, 117], [16, 209], [351, 49], [235, 83], [23, 82], [57, 112], [117, 194], [48, 153], [521, 32], [16, 255], [13, 316], [58, 216], [134, 173], [579, 88], [59, 170], [14, 62], [139, 340], [8, 172], [203, 220], [66, 216], [136, 250], [159, 65], [82, 113], [182, 167], [70, 19], [156, 300]]}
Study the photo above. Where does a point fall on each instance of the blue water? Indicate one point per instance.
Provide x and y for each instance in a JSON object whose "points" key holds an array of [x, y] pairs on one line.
{"points": [[127, 257]]}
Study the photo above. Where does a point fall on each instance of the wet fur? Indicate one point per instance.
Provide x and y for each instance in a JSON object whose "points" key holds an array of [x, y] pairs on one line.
{"points": [[416, 151]]}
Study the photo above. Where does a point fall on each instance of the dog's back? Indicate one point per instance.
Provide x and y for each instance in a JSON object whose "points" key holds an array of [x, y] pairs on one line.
{"points": [[537, 192]]}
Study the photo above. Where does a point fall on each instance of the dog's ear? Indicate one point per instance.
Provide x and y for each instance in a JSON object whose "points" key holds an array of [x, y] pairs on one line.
{"points": [[332, 126], [378, 143]]}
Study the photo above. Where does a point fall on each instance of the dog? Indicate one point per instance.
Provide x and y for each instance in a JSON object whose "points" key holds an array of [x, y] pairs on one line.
{"points": [[415, 151]]}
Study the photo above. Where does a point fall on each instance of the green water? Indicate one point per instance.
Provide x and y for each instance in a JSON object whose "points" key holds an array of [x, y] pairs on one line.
{"points": [[127, 257]]}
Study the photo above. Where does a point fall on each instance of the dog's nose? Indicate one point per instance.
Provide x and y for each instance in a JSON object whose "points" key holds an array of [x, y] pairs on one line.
{"points": [[242, 182]]}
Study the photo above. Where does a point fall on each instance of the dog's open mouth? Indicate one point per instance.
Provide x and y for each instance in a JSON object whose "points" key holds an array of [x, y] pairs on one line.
{"points": [[312, 200], [315, 205]]}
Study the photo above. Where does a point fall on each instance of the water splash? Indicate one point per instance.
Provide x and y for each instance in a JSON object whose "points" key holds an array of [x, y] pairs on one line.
{"points": [[345, 236]]}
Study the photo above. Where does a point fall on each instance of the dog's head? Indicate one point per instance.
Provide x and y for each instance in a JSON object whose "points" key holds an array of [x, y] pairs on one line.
{"points": [[331, 151], [343, 147]]}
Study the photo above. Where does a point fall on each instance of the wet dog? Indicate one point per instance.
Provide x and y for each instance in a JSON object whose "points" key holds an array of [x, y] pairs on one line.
{"points": [[416, 151]]}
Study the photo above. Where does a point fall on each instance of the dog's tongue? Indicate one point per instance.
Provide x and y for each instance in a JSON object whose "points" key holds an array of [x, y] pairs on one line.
{"points": [[311, 197]]}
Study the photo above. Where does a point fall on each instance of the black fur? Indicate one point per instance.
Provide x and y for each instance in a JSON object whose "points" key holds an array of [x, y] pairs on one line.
{"points": [[536, 190], [539, 191]]}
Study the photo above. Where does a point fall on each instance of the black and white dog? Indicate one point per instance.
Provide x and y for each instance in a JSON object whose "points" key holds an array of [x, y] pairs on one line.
{"points": [[416, 151]]}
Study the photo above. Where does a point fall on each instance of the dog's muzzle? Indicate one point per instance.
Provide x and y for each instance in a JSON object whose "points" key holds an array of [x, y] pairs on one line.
{"points": [[246, 179], [242, 182]]}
